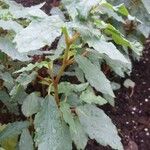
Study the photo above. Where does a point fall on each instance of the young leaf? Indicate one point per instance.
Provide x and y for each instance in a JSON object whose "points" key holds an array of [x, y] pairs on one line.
{"points": [[67, 88], [38, 35], [67, 115], [89, 97], [31, 66], [99, 126], [51, 132], [26, 142], [79, 137], [108, 49], [94, 76], [13, 129], [31, 104]]}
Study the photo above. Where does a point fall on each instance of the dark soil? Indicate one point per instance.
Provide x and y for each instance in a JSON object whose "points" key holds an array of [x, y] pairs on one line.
{"points": [[131, 114]]}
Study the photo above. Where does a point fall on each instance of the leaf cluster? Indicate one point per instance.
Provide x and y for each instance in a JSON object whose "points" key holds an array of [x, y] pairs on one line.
{"points": [[60, 90]]}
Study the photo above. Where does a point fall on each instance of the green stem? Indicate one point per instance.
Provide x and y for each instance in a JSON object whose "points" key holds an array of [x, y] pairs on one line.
{"points": [[65, 63]]}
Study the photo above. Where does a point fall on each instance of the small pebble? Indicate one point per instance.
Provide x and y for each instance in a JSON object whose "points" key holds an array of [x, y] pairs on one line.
{"points": [[142, 141], [140, 111], [146, 129], [141, 104], [147, 133], [132, 112], [134, 108]]}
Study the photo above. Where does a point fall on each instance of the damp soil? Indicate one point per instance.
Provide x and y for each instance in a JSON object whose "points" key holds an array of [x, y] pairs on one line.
{"points": [[131, 113]]}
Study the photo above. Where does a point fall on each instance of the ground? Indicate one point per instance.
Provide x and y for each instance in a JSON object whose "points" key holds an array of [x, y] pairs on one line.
{"points": [[131, 114]]}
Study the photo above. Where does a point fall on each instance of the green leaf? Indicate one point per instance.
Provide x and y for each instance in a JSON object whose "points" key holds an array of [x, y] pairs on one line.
{"points": [[67, 88], [26, 142], [6, 100], [99, 126], [136, 47], [122, 9], [108, 49], [51, 132], [13, 129], [18, 11], [67, 115], [147, 5], [94, 76], [78, 7], [89, 97], [79, 137], [39, 34], [8, 80], [107, 8], [110, 99], [24, 79], [10, 25], [9, 143], [31, 66], [18, 94], [116, 35], [8, 48], [31, 104]]}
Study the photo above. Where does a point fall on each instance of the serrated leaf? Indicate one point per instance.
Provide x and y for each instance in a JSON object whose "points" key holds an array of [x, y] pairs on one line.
{"points": [[31, 66], [140, 12], [89, 97], [51, 131], [31, 104], [67, 88], [79, 137], [10, 25], [13, 129], [18, 11], [8, 48], [94, 76], [45, 32], [6, 100], [67, 115], [80, 7], [26, 142], [99, 126], [107, 8], [147, 5], [24, 79], [108, 49]]}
